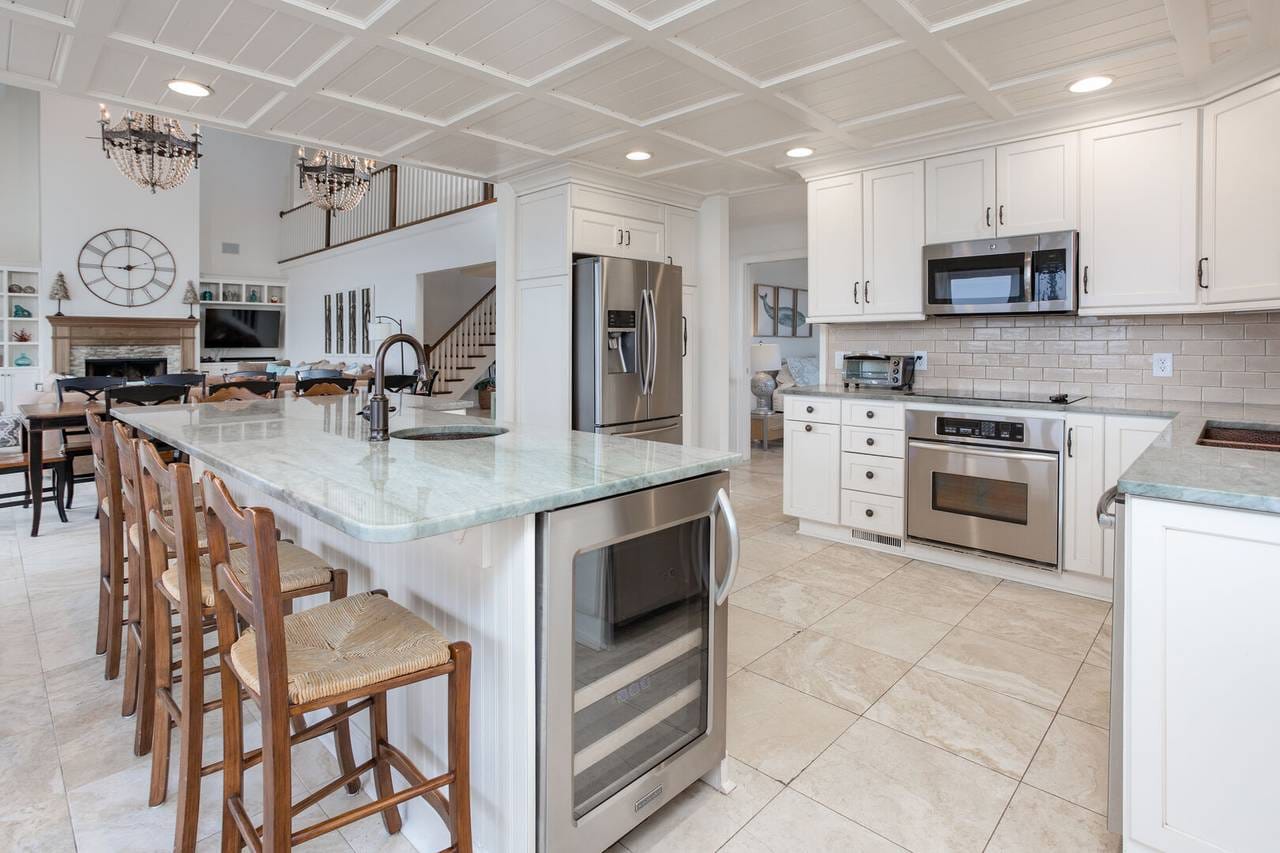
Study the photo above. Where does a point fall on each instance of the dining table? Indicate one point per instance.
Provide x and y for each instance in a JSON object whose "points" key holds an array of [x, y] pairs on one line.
{"points": [[38, 417]]}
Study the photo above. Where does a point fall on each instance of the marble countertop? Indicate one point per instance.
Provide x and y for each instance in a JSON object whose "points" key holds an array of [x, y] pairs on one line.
{"points": [[1174, 467], [315, 454]]}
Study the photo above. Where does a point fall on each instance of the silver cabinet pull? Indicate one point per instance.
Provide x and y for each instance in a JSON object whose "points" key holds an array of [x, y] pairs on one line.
{"points": [[1200, 273], [731, 521], [619, 236]]}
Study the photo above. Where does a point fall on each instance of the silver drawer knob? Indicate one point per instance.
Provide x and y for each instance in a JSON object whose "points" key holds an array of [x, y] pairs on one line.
{"points": [[871, 475], [871, 442], [808, 427], [870, 513]]}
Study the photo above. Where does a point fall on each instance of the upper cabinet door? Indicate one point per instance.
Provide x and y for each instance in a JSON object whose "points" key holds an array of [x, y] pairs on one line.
{"points": [[1241, 216], [644, 240], [1037, 185], [892, 237], [1138, 213], [682, 243], [960, 196], [835, 248], [596, 233]]}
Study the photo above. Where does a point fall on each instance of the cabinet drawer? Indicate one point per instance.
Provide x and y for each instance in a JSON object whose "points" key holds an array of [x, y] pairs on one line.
{"points": [[879, 474], [823, 410], [878, 442], [879, 415], [865, 511]]}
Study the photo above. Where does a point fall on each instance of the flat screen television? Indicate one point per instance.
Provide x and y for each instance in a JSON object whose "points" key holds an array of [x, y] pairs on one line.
{"points": [[241, 328]]}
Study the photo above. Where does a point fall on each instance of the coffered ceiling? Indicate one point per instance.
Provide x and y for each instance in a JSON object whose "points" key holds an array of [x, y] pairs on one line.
{"points": [[715, 90]]}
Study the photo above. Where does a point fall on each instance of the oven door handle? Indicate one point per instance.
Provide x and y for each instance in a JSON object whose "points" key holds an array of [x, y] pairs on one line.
{"points": [[721, 504], [1023, 455]]}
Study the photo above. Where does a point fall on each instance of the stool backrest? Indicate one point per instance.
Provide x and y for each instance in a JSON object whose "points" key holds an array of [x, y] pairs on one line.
{"points": [[169, 485], [101, 476], [130, 499], [319, 373], [257, 387], [326, 386], [190, 380]]}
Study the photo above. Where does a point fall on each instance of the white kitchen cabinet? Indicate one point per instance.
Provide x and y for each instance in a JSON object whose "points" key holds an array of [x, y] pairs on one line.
{"points": [[1138, 214], [811, 470], [960, 196], [1083, 482], [1202, 587], [871, 512], [689, 362], [892, 236], [601, 233], [835, 248], [682, 243], [1124, 440], [1037, 185], [1240, 215]]}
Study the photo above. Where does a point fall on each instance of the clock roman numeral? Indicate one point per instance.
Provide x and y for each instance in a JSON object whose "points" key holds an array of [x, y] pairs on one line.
{"points": [[92, 248]]}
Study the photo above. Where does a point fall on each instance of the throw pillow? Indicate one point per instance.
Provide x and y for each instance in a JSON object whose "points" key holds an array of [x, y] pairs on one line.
{"points": [[805, 369], [10, 431]]}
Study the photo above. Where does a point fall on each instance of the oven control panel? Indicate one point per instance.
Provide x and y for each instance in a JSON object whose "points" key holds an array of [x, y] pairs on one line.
{"points": [[978, 428]]}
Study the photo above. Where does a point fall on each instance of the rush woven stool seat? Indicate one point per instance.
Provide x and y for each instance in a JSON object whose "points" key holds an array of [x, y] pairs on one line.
{"points": [[181, 584], [352, 650]]}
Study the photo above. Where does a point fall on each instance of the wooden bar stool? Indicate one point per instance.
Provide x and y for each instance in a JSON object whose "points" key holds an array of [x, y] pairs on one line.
{"points": [[354, 649], [184, 583], [112, 590]]}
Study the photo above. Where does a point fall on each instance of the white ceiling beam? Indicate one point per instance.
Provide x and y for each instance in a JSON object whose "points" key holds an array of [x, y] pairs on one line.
{"points": [[1189, 22], [915, 32], [37, 18], [78, 62]]}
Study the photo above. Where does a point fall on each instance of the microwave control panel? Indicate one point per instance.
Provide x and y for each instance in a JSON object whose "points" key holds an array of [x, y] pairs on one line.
{"points": [[978, 428]]}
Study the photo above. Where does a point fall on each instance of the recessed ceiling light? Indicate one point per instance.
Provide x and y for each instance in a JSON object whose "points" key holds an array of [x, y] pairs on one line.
{"points": [[1090, 84], [638, 155], [190, 88], [802, 151]]}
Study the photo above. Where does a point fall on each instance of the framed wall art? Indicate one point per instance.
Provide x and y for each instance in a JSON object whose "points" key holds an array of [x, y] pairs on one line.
{"points": [[353, 342], [781, 312]]}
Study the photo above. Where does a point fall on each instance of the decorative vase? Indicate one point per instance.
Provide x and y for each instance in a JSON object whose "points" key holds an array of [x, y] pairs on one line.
{"points": [[19, 311], [253, 296], [206, 296], [23, 360]]}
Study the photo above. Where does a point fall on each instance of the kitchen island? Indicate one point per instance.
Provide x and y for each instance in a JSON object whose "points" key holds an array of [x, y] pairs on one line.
{"points": [[448, 528]]}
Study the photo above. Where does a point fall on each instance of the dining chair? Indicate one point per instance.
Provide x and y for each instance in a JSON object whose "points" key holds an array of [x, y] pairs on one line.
{"points": [[75, 440], [143, 395], [113, 593], [266, 388], [397, 382], [190, 380], [325, 386], [319, 373], [355, 649], [248, 374], [182, 582]]}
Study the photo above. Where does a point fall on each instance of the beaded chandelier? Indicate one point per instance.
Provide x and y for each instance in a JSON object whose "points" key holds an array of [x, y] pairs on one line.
{"points": [[153, 152], [334, 181]]}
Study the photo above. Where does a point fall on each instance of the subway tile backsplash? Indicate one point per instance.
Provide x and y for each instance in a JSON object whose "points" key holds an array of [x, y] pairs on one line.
{"points": [[1217, 358]]}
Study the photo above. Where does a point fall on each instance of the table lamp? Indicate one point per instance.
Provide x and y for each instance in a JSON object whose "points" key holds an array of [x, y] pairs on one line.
{"points": [[766, 361]]}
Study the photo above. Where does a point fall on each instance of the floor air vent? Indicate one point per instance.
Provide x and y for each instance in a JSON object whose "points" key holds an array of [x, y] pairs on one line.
{"points": [[878, 538]]}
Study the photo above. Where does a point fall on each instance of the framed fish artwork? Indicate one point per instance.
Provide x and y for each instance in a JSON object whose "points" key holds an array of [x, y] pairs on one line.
{"points": [[766, 304], [781, 312]]}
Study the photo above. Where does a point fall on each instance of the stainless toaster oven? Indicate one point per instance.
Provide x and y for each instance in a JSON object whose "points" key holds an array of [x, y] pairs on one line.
{"points": [[873, 370]]}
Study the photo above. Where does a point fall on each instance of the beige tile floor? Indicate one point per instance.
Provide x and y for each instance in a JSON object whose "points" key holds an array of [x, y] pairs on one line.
{"points": [[875, 704]]}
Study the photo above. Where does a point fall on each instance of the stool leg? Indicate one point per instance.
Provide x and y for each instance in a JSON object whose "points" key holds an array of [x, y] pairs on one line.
{"points": [[115, 620], [159, 639], [460, 747], [382, 768], [70, 477], [342, 733], [26, 483], [104, 581], [232, 756], [190, 728], [66, 478]]}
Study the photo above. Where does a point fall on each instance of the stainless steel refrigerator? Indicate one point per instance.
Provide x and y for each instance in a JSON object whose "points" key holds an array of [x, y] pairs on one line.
{"points": [[627, 348]]}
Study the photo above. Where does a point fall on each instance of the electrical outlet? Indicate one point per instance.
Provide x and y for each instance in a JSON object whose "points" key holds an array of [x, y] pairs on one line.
{"points": [[922, 359], [1162, 364]]}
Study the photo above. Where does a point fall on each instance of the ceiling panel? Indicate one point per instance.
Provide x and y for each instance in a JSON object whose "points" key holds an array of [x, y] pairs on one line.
{"points": [[720, 177], [413, 85], [642, 85], [1226, 11], [1228, 45], [469, 155], [543, 125], [654, 11], [774, 155], [770, 38], [1156, 67], [57, 8], [1038, 37], [925, 122], [736, 124], [523, 38], [612, 153], [938, 11], [872, 85], [32, 51], [361, 9], [344, 126]]}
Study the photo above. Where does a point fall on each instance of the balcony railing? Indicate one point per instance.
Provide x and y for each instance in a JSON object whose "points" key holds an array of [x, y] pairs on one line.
{"points": [[398, 196]]}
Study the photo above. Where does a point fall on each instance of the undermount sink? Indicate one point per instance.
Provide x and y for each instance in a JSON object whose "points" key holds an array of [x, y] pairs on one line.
{"points": [[1239, 437], [453, 432]]}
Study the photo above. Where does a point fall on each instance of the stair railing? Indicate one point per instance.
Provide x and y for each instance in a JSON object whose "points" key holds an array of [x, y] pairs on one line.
{"points": [[452, 355]]}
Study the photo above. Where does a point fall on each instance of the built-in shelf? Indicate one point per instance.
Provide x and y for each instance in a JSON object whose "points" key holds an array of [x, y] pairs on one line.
{"points": [[20, 290], [242, 292]]}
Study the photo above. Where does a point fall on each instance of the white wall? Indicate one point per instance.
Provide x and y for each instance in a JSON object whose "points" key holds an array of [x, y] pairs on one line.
{"points": [[82, 194], [19, 176], [390, 264], [447, 295], [244, 184], [790, 273]]}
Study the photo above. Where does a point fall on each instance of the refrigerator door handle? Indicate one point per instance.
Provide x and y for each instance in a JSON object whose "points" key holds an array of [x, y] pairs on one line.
{"points": [[731, 521], [642, 354], [652, 351]]}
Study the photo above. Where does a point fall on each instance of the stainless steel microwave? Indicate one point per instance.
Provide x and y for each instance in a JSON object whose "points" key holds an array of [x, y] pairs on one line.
{"points": [[1032, 274]]}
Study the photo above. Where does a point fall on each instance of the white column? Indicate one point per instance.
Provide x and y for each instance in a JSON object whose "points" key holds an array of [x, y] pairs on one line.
{"points": [[717, 394]]}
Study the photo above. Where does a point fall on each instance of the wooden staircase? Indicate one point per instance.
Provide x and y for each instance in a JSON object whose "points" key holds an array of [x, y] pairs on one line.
{"points": [[464, 354]]}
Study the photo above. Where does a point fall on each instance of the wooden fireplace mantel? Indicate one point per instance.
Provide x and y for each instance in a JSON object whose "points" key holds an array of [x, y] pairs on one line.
{"points": [[69, 331]]}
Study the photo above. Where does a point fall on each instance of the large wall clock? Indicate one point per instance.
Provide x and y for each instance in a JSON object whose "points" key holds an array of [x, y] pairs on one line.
{"points": [[125, 266]]}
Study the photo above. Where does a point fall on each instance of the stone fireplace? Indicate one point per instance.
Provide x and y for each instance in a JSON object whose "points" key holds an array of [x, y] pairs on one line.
{"points": [[80, 343]]}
